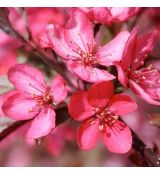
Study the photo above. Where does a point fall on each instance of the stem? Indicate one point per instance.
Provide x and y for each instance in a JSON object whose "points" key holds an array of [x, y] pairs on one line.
{"points": [[148, 156]]}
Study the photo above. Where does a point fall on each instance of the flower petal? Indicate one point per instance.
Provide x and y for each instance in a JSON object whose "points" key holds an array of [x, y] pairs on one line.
{"points": [[79, 108], [144, 46], [118, 138], [26, 78], [55, 35], [141, 93], [58, 89], [42, 124], [121, 74], [79, 29], [128, 54], [88, 134], [3, 99], [113, 50], [88, 73], [122, 104], [18, 107], [99, 94]]}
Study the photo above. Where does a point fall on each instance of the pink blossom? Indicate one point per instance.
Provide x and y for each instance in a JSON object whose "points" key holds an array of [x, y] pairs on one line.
{"points": [[34, 99], [99, 110], [144, 81], [55, 141], [108, 15], [75, 43], [8, 53]]}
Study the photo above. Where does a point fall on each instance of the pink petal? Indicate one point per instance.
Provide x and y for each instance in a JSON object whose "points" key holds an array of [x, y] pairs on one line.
{"points": [[3, 99], [58, 89], [113, 50], [88, 134], [122, 77], [101, 15], [79, 108], [88, 73], [80, 29], [141, 93], [128, 54], [18, 107], [118, 138], [123, 13], [26, 78], [42, 124], [44, 41], [99, 94], [55, 35], [122, 104], [144, 46]]}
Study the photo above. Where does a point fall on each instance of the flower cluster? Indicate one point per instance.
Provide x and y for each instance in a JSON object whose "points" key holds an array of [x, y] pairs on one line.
{"points": [[90, 72]]}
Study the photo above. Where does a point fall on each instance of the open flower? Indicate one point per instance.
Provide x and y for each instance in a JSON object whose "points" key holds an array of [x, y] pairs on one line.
{"points": [[75, 43], [34, 99], [143, 80], [99, 110], [108, 15]]}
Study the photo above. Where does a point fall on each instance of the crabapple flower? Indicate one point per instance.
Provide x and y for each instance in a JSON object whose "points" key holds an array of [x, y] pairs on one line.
{"points": [[34, 99], [108, 15], [76, 45], [99, 110], [143, 80]]}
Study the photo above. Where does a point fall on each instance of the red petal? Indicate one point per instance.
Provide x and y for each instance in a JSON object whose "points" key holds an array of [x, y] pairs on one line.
{"points": [[99, 94], [88, 134], [122, 104], [141, 93], [79, 108], [118, 139], [128, 54]]}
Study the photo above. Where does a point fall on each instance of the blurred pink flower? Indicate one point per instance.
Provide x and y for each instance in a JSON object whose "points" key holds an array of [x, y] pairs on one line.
{"points": [[145, 82], [34, 99], [79, 51], [108, 15], [99, 109], [8, 53], [56, 140]]}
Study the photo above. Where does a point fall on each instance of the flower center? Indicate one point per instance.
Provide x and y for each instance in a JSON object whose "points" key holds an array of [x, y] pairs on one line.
{"points": [[144, 76], [106, 118]]}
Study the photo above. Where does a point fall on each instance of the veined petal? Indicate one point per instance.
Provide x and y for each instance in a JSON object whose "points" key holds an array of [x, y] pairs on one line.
{"points": [[118, 138], [128, 54], [88, 73], [42, 124], [18, 106], [88, 134], [26, 78], [121, 74], [122, 104], [55, 35], [99, 94], [144, 46], [113, 50], [141, 93], [79, 29], [79, 108], [3, 98], [58, 89]]}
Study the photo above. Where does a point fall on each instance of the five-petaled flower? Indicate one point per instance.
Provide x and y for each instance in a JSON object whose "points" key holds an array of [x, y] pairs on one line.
{"points": [[33, 99], [99, 110], [76, 45], [143, 80]]}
